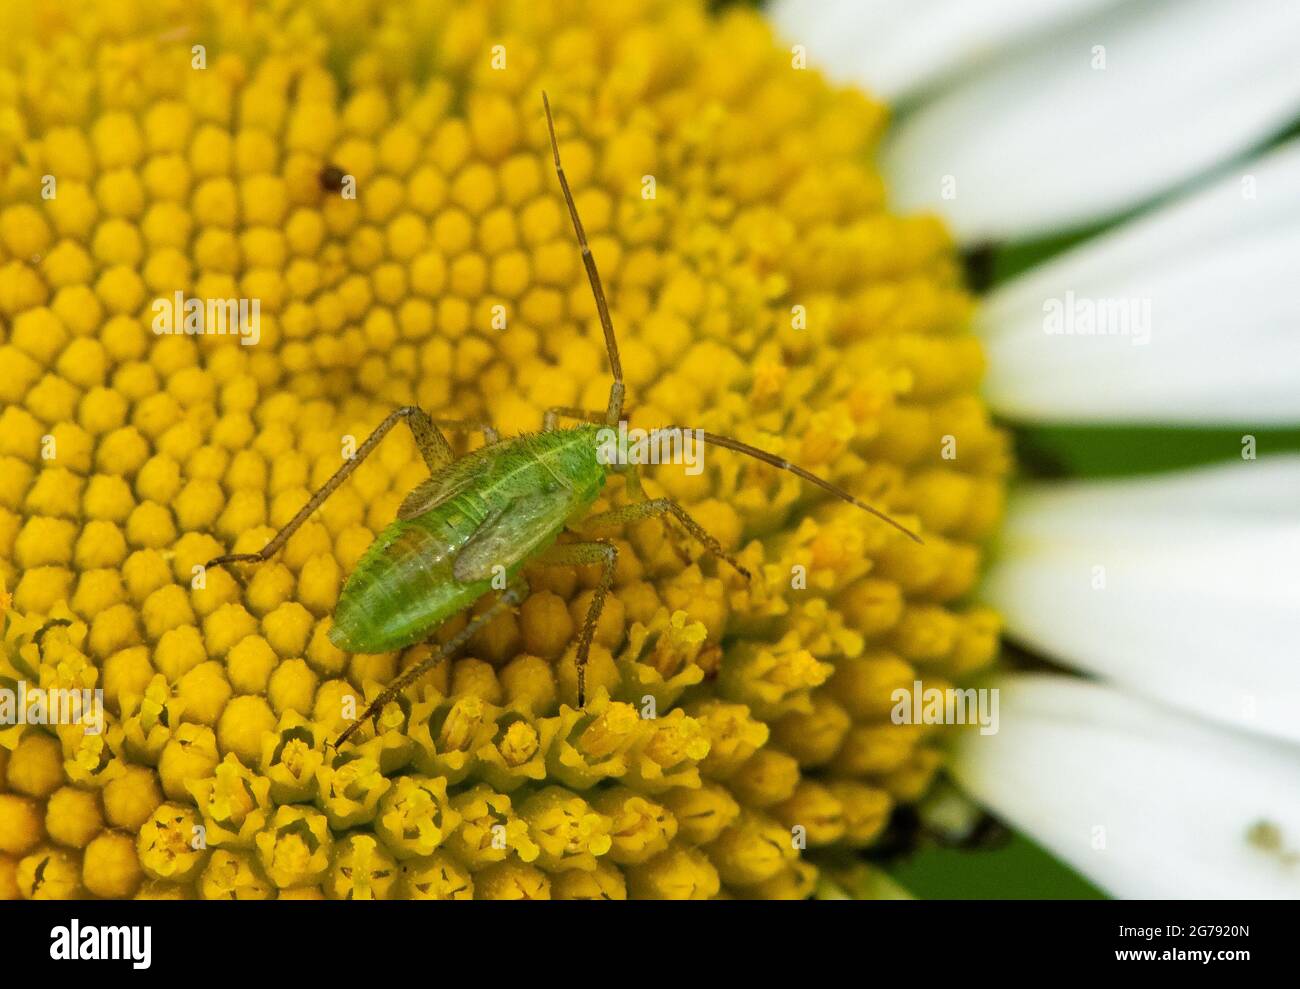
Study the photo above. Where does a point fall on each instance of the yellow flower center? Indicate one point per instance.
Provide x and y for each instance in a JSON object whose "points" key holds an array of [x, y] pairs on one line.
{"points": [[374, 174]]}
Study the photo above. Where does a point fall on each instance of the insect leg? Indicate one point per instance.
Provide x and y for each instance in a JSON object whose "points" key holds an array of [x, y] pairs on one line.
{"points": [[510, 597], [600, 551], [664, 506], [631, 482], [433, 447], [615, 410], [636, 494], [490, 435], [551, 417]]}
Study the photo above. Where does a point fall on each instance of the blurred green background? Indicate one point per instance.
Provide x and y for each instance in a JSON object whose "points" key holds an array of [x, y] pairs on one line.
{"points": [[1018, 871]]}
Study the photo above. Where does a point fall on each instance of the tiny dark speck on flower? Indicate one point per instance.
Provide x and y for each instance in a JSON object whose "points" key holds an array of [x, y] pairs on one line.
{"points": [[331, 178]]}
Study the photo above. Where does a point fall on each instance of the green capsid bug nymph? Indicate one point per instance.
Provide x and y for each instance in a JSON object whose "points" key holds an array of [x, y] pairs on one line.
{"points": [[494, 511]]}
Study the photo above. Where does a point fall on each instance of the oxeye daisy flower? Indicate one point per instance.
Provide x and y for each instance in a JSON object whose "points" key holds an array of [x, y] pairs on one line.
{"points": [[377, 178], [1173, 776]]}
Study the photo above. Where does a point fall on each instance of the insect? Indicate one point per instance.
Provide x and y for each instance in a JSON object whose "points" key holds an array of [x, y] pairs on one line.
{"points": [[493, 511]]}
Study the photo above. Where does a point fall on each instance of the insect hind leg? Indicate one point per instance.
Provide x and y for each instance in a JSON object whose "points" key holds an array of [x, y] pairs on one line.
{"points": [[509, 598], [433, 446]]}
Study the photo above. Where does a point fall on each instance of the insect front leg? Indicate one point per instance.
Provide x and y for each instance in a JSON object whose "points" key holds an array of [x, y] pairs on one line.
{"points": [[600, 551], [552, 416], [509, 598], [657, 507], [490, 435], [433, 447]]}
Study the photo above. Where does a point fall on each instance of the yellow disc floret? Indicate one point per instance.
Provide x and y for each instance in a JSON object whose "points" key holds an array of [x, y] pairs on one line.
{"points": [[219, 274]]}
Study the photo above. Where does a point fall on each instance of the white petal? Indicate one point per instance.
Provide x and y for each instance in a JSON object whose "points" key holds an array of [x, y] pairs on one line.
{"points": [[1046, 141], [1183, 587], [1208, 282], [893, 48], [1180, 808]]}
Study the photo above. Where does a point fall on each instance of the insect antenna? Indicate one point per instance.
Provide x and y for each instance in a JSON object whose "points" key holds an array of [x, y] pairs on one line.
{"points": [[771, 458], [615, 411]]}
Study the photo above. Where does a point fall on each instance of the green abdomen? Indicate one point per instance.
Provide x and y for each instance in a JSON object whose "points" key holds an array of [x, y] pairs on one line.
{"points": [[403, 587]]}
